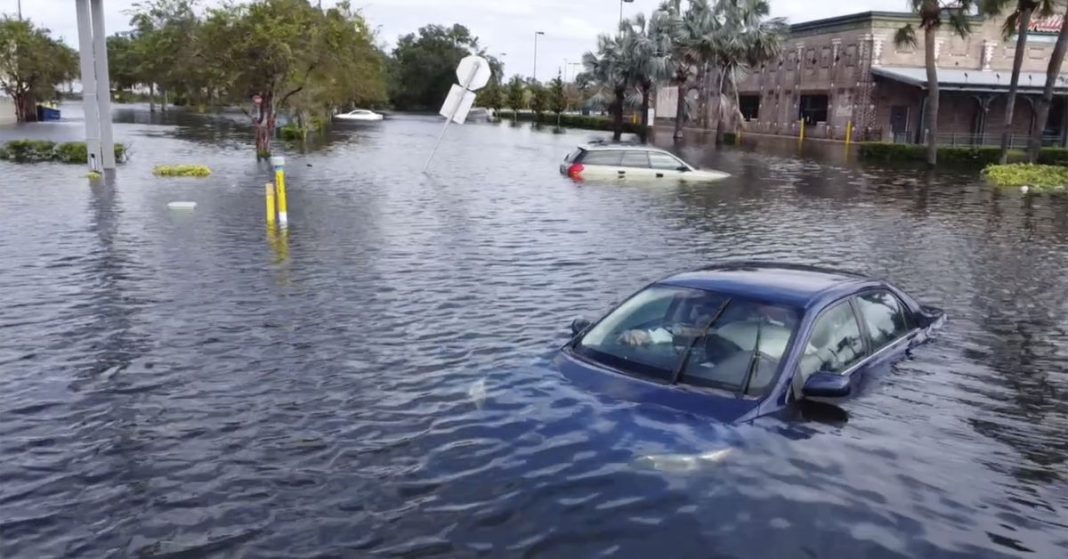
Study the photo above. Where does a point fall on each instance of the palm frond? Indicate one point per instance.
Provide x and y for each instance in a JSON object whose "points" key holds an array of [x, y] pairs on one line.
{"points": [[905, 36]]}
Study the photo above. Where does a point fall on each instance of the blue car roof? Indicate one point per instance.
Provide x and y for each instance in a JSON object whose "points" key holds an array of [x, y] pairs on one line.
{"points": [[793, 285]]}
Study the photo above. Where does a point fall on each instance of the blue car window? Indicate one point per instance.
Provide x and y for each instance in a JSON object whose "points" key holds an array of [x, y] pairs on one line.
{"points": [[742, 350], [884, 315], [835, 343], [649, 333]]}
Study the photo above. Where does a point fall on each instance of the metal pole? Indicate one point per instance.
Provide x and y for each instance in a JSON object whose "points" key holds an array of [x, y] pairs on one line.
{"points": [[20, 10], [535, 75], [103, 86], [88, 67]]}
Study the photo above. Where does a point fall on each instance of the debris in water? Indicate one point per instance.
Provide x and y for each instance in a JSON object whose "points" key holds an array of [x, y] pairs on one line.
{"points": [[182, 205]]}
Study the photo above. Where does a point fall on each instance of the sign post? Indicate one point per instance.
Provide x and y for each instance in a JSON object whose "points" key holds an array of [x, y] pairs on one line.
{"points": [[473, 73]]}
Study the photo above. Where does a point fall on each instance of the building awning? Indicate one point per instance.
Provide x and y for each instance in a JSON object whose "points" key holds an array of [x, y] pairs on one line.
{"points": [[955, 79]]}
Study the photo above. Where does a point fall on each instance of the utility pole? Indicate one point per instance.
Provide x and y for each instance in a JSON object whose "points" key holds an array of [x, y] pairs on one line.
{"points": [[96, 87], [20, 10], [535, 75]]}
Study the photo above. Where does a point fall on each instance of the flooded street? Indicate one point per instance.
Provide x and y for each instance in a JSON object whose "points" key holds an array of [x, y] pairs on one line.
{"points": [[373, 383]]}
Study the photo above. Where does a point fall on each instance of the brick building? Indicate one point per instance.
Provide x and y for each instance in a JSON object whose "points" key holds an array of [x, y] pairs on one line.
{"points": [[847, 69]]}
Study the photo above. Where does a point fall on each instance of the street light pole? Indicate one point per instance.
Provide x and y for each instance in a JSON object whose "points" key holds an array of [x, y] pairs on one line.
{"points": [[621, 9], [535, 75]]}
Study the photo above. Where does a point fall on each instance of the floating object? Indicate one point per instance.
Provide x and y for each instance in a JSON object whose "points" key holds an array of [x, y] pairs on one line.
{"points": [[477, 392], [683, 462], [182, 205], [1024, 189], [181, 171], [474, 73]]}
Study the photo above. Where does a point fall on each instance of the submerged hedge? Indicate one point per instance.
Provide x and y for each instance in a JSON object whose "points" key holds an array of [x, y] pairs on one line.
{"points": [[976, 156], [181, 171], [34, 151], [1042, 178], [587, 122]]}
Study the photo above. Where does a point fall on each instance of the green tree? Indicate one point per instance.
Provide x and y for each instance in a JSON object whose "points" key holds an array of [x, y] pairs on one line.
{"points": [[932, 15], [32, 64], [423, 67], [166, 53], [294, 57], [349, 70], [1034, 146], [516, 95], [1018, 22], [539, 100], [558, 100], [123, 64], [608, 68], [491, 96]]}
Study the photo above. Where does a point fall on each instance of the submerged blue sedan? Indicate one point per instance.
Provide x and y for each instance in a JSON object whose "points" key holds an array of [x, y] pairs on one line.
{"points": [[741, 340]]}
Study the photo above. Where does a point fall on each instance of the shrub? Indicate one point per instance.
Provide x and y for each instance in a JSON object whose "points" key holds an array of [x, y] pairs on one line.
{"points": [[1048, 178], [72, 152], [30, 151], [970, 156], [730, 138], [1053, 156], [33, 151], [181, 171]]}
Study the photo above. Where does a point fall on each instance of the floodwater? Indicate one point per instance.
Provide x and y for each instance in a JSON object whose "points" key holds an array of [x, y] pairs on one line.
{"points": [[373, 382]]}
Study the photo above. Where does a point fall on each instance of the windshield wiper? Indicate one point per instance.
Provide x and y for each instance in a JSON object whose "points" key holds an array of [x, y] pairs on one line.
{"points": [[704, 332], [754, 361]]}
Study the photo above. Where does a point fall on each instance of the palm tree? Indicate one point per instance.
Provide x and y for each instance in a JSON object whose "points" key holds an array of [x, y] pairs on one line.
{"points": [[749, 39], [1034, 146], [682, 61], [608, 68], [932, 15], [1018, 22], [647, 45]]}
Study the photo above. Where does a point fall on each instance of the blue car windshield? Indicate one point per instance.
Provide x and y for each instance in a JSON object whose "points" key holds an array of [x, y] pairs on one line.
{"points": [[696, 337]]}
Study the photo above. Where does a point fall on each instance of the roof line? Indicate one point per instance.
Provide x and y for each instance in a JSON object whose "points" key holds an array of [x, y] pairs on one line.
{"points": [[859, 17]]}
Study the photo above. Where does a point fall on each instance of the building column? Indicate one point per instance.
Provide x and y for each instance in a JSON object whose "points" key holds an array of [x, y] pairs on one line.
{"points": [[89, 89], [96, 95], [103, 86]]}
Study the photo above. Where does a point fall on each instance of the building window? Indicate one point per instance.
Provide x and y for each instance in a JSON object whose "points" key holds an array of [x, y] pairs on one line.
{"points": [[813, 108], [749, 105]]}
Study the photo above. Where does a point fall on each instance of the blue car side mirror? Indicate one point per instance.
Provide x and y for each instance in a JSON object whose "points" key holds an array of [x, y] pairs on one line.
{"points": [[827, 385], [579, 325]]}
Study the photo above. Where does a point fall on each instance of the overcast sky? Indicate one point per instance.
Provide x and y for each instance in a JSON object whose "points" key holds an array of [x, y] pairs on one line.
{"points": [[502, 26]]}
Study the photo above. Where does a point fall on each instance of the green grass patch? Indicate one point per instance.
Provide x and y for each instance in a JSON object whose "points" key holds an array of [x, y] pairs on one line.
{"points": [[181, 171], [1041, 178], [35, 151]]}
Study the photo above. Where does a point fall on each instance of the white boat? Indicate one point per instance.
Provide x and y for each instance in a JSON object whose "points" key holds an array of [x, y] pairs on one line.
{"points": [[359, 115]]}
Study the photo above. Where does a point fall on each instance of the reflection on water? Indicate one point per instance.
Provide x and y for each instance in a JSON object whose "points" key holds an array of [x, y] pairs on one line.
{"points": [[371, 380]]}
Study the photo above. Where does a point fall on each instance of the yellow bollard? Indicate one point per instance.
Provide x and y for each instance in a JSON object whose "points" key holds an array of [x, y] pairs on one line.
{"points": [[801, 136], [849, 132], [279, 164], [268, 191]]}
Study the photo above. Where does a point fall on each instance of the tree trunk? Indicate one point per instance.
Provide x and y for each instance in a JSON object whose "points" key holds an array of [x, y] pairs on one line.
{"points": [[617, 133], [151, 97], [1034, 146], [163, 101], [1017, 63], [643, 134], [719, 104], [931, 116], [680, 108], [702, 96], [265, 127], [25, 108]]}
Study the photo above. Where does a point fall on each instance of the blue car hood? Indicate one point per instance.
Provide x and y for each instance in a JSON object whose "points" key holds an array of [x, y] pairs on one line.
{"points": [[623, 387]]}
